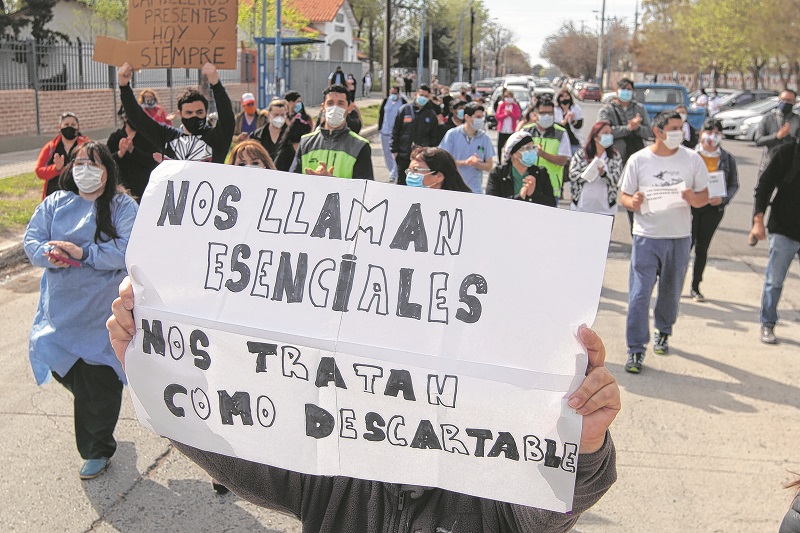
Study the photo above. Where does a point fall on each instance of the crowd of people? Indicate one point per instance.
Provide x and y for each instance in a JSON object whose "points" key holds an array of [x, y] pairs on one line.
{"points": [[437, 140]]}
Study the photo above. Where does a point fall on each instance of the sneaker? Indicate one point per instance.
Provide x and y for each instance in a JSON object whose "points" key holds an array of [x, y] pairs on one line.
{"points": [[634, 364], [93, 467], [660, 342], [768, 335], [697, 296]]}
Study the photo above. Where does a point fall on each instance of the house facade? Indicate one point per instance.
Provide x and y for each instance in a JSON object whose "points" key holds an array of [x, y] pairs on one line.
{"points": [[334, 22]]}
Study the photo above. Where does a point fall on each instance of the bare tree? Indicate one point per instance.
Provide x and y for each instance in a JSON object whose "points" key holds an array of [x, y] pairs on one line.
{"points": [[496, 40]]}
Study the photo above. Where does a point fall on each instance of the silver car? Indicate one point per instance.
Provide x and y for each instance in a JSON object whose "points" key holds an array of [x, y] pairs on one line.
{"points": [[733, 118]]}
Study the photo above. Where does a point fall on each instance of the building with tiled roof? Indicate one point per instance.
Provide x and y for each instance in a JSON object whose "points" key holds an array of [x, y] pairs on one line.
{"points": [[335, 22]]}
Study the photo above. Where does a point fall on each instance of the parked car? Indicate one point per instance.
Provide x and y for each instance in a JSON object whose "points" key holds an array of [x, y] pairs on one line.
{"points": [[743, 97], [721, 92], [515, 80], [455, 88], [522, 95], [732, 119], [657, 97], [590, 91], [485, 87], [749, 127]]}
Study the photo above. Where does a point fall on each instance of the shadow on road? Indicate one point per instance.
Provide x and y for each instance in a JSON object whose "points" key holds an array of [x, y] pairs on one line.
{"points": [[711, 395], [147, 506]]}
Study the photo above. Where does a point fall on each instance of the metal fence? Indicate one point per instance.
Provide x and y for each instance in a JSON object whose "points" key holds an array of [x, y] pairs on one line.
{"points": [[63, 66]]}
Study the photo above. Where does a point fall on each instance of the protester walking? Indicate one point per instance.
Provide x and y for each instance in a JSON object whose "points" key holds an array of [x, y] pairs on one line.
{"points": [[781, 178], [287, 146], [387, 115], [780, 127], [337, 77], [58, 152], [351, 85], [595, 171], [249, 119], [79, 236], [690, 137], [519, 177], [366, 85], [415, 125], [552, 143], [270, 134], [662, 234], [507, 114], [706, 219]]}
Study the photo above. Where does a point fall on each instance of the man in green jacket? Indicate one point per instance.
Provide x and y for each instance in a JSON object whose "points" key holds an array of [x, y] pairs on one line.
{"points": [[334, 150]]}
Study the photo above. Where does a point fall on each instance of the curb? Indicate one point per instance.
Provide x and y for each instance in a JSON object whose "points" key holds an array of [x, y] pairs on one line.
{"points": [[12, 257]]}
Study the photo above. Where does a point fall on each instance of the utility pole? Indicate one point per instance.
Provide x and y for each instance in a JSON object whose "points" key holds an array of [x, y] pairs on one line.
{"points": [[430, 52], [471, 26], [598, 72], [278, 49], [608, 63], [387, 33], [421, 48]]}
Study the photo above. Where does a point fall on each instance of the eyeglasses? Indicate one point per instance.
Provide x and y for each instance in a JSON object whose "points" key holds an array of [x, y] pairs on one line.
{"points": [[419, 171]]}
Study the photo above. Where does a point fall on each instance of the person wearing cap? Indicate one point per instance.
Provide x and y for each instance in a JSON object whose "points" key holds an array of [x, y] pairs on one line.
{"points": [[249, 119], [519, 177], [135, 156]]}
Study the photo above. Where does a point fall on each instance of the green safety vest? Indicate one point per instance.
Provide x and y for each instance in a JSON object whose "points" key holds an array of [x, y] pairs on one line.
{"points": [[338, 149], [550, 145]]}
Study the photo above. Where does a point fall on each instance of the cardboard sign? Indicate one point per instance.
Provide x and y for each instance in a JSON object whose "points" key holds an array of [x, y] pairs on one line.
{"points": [[174, 34], [353, 328]]}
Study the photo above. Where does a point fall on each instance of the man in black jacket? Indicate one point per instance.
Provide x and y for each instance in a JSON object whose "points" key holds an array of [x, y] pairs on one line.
{"points": [[415, 125], [195, 140], [779, 127], [782, 173]]}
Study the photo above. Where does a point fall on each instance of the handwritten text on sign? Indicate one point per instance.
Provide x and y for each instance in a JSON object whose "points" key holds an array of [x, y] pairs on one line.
{"points": [[343, 327]]}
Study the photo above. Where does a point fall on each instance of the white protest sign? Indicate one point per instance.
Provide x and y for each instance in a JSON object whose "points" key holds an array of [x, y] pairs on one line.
{"points": [[346, 327], [662, 198], [716, 184], [592, 171]]}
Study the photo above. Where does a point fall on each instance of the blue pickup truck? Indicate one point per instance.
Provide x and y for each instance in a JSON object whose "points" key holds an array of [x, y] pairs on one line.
{"points": [[656, 97]]}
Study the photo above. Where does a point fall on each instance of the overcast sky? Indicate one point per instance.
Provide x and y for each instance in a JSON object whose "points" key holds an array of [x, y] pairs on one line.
{"points": [[533, 22]]}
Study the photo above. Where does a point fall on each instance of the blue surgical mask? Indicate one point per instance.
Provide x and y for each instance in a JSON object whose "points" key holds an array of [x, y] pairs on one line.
{"points": [[421, 100], [460, 114], [414, 179], [478, 123], [393, 97], [546, 120], [529, 158], [626, 95], [606, 140], [298, 107]]}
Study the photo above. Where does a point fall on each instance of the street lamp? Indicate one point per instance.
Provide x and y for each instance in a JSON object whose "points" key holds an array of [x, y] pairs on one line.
{"points": [[598, 72]]}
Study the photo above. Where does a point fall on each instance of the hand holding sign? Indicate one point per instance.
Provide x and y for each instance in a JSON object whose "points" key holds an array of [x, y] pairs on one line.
{"points": [[124, 74], [211, 74], [637, 200]]}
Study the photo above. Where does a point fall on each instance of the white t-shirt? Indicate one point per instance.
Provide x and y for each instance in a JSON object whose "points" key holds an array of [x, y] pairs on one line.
{"points": [[646, 169]]}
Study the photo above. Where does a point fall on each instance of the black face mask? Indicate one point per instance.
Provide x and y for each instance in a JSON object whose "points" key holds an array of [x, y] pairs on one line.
{"points": [[785, 108], [565, 102], [194, 125], [69, 133]]}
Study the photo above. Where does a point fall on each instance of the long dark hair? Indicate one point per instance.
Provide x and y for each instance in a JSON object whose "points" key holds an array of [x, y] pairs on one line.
{"points": [[98, 153], [590, 148], [439, 160]]}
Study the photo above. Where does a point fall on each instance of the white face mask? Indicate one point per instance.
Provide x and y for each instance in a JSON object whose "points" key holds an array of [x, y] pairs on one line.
{"points": [[87, 178], [278, 121], [674, 139], [334, 116]]}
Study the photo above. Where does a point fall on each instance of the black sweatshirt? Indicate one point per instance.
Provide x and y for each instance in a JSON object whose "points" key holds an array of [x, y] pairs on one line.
{"points": [[212, 144], [338, 504], [782, 173]]}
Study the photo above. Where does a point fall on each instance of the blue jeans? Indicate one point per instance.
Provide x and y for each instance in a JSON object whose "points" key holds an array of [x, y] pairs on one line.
{"points": [[781, 252], [386, 144], [662, 260]]}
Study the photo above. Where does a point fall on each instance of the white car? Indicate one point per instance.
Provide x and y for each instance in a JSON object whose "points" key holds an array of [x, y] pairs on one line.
{"points": [[732, 119]]}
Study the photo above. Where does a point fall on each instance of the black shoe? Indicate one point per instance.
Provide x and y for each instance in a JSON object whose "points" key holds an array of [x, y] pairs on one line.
{"points": [[634, 364], [768, 335], [660, 342], [219, 488], [697, 296]]}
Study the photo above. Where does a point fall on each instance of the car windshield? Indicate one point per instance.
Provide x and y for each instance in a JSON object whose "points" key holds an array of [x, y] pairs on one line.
{"points": [[728, 98], [522, 96], [659, 95], [761, 106]]}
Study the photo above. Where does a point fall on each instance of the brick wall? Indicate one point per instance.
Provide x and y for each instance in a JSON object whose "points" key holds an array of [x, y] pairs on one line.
{"points": [[95, 107]]}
